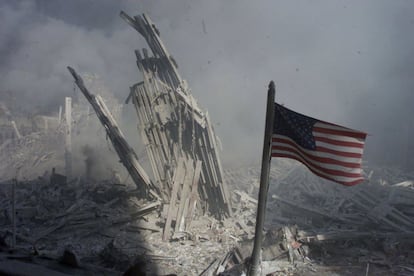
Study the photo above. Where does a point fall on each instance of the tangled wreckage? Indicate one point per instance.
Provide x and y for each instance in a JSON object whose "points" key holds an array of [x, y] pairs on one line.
{"points": [[178, 136], [181, 217]]}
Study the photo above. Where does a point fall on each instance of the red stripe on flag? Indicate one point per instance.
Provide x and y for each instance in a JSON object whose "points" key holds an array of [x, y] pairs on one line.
{"points": [[345, 183], [318, 167], [326, 160], [339, 153]]}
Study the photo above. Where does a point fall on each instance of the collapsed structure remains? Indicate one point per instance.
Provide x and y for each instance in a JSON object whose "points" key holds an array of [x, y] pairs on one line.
{"points": [[178, 136]]}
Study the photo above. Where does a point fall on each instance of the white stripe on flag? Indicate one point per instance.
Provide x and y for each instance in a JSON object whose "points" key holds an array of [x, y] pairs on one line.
{"points": [[339, 148], [334, 127]]}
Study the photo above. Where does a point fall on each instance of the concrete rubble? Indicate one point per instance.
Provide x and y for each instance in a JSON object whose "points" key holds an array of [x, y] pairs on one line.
{"points": [[181, 219], [312, 222], [110, 228]]}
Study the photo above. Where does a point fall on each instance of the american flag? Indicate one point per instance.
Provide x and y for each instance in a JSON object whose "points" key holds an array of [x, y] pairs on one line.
{"points": [[328, 150]]}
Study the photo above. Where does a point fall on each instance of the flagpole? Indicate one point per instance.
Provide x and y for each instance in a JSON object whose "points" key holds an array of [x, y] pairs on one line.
{"points": [[254, 269]]}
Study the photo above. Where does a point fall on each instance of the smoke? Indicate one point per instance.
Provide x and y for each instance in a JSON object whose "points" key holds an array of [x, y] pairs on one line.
{"points": [[348, 62]]}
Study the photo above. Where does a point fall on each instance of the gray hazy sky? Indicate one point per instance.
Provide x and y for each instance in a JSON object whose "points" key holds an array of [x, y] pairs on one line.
{"points": [[348, 62]]}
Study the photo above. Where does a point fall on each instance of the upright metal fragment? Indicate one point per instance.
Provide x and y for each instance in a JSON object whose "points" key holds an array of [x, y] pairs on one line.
{"points": [[176, 133], [10, 118], [68, 137]]}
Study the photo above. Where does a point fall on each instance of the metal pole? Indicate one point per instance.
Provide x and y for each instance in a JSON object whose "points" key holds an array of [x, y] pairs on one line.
{"points": [[254, 268], [60, 114], [14, 213], [68, 138]]}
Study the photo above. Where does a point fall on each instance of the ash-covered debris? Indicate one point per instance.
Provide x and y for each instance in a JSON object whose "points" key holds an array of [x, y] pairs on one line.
{"points": [[51, 217], [41, 145], [110, 228], [29, 156], [320, 228]]}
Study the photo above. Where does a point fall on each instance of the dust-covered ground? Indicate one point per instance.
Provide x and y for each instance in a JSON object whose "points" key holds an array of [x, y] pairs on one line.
{"points": [[110, 229]]}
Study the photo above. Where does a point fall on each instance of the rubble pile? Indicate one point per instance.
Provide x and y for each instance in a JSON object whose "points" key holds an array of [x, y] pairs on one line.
{"points": [[371, 206], [318, 225], [110, 228], [107, 226], [33, 153]]}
